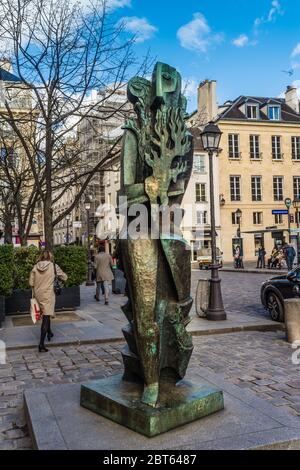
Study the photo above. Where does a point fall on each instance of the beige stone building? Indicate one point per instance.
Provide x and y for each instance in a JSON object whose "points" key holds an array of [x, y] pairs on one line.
{"points": [[259, 167], [18, 97]]}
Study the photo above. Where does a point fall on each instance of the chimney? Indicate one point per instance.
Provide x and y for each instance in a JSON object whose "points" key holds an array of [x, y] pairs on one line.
{"points": [[207, 100], [291, 98]]}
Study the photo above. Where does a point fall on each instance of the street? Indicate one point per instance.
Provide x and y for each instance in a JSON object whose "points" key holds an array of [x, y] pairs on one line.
{"points": [[258, 361]]}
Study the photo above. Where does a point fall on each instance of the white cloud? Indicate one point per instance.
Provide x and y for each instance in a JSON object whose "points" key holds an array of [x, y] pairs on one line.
{"points": [[275, 11], [196, 35], [140, 27], [296, 50], [241, 41]]}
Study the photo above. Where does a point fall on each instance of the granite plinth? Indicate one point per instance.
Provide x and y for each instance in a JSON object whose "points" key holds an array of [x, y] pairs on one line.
{"points": [[178, 404]]}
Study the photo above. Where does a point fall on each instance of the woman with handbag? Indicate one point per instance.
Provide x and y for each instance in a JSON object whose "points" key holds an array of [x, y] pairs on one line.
{"points": [[44, 279]]}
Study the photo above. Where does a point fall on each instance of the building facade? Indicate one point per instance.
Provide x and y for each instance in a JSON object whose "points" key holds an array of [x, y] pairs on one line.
{"points": [[259, 169]]}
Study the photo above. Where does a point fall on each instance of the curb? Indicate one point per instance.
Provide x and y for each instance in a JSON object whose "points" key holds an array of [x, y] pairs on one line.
{"points": [[197, 333], [254, 271]]}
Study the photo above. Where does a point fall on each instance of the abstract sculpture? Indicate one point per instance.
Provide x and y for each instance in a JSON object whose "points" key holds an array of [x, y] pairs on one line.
{"points": [[156, 166], [151, 397]]}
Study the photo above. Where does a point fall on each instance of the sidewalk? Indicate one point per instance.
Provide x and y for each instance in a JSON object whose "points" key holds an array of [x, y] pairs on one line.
{"points": [[98, 323], [250, 267]]}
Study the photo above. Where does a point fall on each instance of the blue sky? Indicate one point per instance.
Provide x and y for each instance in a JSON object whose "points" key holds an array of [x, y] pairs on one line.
{"points": [[243, 44]]}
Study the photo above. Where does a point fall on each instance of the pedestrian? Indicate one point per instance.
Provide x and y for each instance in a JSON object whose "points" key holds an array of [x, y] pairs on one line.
{"points": [[290, 255], [272, 259], [261, 261], [41, 280], [104, 274], [237, 257]]}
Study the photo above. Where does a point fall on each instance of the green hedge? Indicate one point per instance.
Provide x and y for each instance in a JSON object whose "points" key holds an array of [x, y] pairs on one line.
{"points": [[73, 261], [16, 264], [6, 269], [24, 260]]}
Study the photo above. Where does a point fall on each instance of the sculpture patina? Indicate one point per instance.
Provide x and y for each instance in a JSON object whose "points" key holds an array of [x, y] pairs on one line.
{"points": [[156, 166], [151, 396]]}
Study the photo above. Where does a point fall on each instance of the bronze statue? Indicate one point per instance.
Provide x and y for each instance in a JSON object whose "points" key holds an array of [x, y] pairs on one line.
{"points": [[156, 167]]}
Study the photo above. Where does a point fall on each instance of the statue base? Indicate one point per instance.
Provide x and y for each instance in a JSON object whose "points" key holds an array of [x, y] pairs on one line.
{"points": [[181, 404]]}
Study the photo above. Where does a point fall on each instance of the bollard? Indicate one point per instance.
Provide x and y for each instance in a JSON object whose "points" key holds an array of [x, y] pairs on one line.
{"points": [[202, 297], [292, 319]]}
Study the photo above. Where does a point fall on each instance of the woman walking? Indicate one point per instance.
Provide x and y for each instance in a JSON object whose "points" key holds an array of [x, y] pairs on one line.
{"points": [[42, 281]]}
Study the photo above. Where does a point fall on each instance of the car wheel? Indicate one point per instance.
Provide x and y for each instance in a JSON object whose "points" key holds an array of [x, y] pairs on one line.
{"points": [[275, 307]]}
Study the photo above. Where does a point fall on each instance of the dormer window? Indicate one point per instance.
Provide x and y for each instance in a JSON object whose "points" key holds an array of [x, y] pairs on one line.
{"points": [[252, 111], [274, 113]]}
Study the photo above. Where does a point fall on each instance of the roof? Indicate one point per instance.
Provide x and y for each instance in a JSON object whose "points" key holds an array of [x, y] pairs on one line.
{"points": [[196, 133], [6, 76], [233, 110]]}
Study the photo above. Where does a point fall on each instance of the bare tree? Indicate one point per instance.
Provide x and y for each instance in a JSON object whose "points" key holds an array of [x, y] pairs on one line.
{"points": [[61, 51], [18, 197]]}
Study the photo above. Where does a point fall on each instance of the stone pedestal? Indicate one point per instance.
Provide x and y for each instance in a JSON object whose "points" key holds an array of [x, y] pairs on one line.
{"points": [[292, 319], [119, 401]]}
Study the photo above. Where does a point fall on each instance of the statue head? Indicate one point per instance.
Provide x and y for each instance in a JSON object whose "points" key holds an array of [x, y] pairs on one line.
{"points": [[166, 86]]}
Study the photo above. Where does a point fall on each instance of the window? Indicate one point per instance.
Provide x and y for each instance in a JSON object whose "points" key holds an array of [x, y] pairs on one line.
{"points": [[296, 184], [296, 148], [201, 217], [276, 147], [274, 113], [199, 163], [278, 219], [233, 146], [252, 111], [256, 188], [254, 147], [234, 218], [200, 192], [257, 218], [278, 188], [235, 188]]}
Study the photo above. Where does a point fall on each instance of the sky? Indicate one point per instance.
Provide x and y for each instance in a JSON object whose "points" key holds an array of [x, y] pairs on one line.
{"points": [[248, 46]]}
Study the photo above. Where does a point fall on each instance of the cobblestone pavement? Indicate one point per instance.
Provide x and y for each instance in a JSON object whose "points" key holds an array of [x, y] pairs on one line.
{"points": [[257, 361], [241, 291]]}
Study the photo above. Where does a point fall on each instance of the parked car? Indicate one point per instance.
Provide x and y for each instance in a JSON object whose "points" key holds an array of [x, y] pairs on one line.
{"points": [[275, 290], [204, 258]]}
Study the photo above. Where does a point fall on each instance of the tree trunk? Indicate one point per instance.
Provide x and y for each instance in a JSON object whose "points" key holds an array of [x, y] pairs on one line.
{"points": [[48, 211], [48, 216], [8, 228]]}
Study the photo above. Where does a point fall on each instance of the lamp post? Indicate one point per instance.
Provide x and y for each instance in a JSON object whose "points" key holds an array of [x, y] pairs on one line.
{"points": [[211, 136], [87, 205], [296, 204], [238, 214], [68, 220], [288, 202]]}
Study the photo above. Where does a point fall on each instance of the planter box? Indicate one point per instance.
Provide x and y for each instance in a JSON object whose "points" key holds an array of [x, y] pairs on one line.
{"points": [[2, 309], [19, 302]]}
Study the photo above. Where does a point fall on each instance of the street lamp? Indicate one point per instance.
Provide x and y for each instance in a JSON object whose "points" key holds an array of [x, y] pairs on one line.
{"points": [[211, 136], [68, 217], [87, 205], [238, 214], [296, 204]]}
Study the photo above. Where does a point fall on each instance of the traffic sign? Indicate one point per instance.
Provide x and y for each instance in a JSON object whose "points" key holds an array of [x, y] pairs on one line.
{"points": [[280, 212]]}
